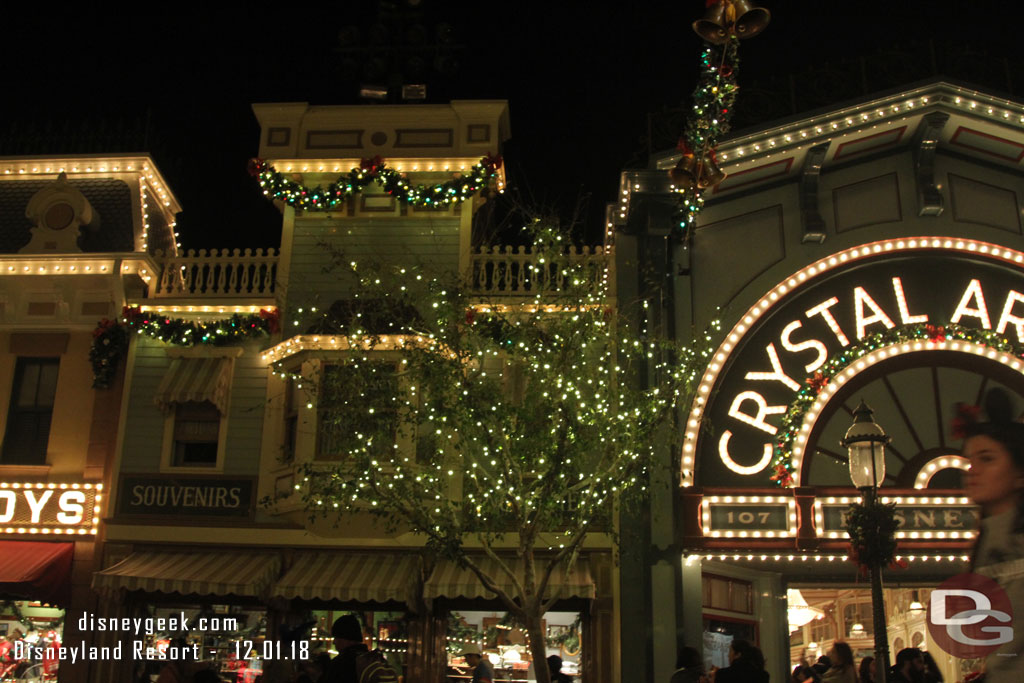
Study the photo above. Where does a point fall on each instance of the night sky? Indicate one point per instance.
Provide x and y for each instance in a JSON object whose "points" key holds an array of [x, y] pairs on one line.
{"points": [[591, 90]]}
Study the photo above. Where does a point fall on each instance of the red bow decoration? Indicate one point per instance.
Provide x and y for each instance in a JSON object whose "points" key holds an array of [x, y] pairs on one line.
{"points": [[131, 313], [965, 415], [256, 166], [272, 318], [102, 326], [493, 162], [683, 147], [470, 316], [782, 475], [899, 564], [817, 382], [854, 557], [372, 165], [936, 333]]}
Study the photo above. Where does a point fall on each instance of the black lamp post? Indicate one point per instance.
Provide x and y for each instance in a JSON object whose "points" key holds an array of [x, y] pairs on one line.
{"points": [[865, 441]]}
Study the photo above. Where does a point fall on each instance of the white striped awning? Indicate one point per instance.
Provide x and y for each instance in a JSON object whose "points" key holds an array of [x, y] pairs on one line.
{"points": [[359, 577], [221, 573], [451, 581], [196, 379]]}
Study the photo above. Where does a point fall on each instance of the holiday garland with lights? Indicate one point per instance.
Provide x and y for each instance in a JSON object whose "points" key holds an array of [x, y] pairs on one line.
{"points": [[493, 420], [782, 463], [708, 122], [459, 188], [110, 338]]}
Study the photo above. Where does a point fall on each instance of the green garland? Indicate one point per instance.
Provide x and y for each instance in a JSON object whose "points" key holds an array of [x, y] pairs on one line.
{"points": [[463, 186], [709, 120], [109, 344], [110, 338], [872, 529], [782, 464]]}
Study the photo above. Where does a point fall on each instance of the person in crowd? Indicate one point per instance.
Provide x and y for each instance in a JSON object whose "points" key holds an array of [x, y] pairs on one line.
{"points": [[483, 672], [822, 665], [932, 674], [995, 482], [867, 670], [805, 673], [555, 669], [909, 666], [348, 641], [842, 669], [689, 667], [746, 665]]}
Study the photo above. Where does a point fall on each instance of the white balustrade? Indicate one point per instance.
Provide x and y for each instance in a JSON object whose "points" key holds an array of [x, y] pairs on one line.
{"points": [[217, 273], [516, 271]]}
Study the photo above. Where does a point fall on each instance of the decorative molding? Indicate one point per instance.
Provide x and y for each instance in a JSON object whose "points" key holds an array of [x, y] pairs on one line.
{"points": [[929, 199], [810, 176], [423, 137], [869, 143], [334, 139]]}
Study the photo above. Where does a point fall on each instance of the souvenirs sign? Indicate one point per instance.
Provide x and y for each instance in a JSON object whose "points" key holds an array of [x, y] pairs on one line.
{"points": [[49, 508], [818, 313], [155, 495]]}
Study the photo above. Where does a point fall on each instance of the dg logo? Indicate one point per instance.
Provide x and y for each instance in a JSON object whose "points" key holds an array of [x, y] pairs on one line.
{"points": [[970, 616]]}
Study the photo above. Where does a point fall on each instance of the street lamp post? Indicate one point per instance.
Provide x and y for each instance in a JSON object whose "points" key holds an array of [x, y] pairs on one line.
{"points": [[865, 441]]}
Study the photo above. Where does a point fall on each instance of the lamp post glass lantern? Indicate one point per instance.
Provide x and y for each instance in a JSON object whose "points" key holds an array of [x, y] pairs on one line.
{"points": [[865, 442]]}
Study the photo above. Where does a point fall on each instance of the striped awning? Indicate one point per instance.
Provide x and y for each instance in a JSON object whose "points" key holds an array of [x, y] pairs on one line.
{"points": [[359, 577], [196, 379], [450, 581], [221, 573], [31, 570]]}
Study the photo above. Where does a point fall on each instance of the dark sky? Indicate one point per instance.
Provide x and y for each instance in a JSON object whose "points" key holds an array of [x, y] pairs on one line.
{"points": [[581, 80]]}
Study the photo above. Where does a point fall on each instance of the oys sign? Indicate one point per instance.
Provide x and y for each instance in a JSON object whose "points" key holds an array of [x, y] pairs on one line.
{"points": [[813, 315]]}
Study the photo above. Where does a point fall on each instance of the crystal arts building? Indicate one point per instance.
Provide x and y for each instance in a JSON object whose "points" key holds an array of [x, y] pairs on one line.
{"points": [[869, 252]]}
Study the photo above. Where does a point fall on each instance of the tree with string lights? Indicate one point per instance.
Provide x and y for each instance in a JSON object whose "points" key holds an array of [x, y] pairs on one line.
{"points": [[498, 428]]}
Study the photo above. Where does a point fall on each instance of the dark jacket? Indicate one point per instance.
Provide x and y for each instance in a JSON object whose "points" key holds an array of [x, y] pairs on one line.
{"points": [[741, 672], [342, 668]]}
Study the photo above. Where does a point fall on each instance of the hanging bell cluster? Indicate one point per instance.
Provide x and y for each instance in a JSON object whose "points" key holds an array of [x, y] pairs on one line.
{"points": [[693, 174], [725, 18]]}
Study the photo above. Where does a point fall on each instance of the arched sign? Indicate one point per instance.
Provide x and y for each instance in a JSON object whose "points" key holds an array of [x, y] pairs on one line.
{"points": [[819, 312]]}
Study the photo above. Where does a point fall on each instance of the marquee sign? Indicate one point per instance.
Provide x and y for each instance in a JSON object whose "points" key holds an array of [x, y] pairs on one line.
{"points": [[749, 516], [48, 508], [918, 518], [817, 313]]}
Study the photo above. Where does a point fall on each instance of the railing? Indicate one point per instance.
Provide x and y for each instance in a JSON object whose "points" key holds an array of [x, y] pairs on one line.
{"points": [[217, 273], [516, 271]]}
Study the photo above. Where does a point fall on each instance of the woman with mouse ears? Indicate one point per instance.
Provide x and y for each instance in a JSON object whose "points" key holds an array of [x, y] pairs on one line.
{"points": [[995, 482]]}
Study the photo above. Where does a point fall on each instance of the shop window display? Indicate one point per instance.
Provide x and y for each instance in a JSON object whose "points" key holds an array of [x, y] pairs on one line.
{"points": [[385, 631], [29, 632], [230, 639], [506, 646]]}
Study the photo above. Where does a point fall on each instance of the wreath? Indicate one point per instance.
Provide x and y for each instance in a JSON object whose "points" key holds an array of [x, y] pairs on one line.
{"points": [[782, 463], [109, 344], [872, 529]]}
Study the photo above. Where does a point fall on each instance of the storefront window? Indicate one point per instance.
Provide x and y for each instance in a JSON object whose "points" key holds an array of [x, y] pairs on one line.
{"points": [[505, 644], [230, 639], [29, 635], [384, 631]]}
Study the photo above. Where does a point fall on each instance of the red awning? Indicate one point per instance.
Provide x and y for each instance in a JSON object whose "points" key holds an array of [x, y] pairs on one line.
{"points": [[31, 570]]}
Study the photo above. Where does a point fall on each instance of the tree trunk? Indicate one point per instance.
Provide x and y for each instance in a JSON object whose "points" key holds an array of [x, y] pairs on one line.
{"points": [[538, 647]]}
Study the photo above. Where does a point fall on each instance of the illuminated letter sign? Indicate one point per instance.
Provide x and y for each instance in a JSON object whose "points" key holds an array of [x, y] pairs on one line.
{"points": [[48, 508], [815, 321]]}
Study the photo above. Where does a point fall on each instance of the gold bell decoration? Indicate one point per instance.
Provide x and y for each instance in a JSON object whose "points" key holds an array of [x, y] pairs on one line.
{"points": [[709, 174], [724, 18], [684, 175]]}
